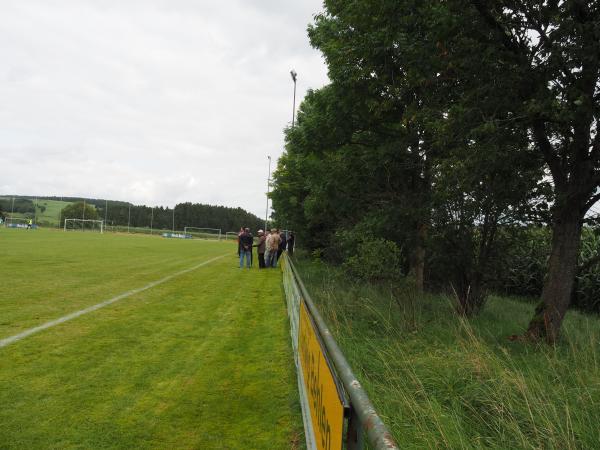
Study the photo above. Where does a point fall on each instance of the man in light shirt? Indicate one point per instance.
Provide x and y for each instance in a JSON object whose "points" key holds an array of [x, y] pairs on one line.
{"points": [[273, 241]]}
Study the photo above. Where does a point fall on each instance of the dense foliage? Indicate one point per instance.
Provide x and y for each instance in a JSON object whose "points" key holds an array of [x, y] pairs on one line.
{"points": [[17, 205], [454, 130]]}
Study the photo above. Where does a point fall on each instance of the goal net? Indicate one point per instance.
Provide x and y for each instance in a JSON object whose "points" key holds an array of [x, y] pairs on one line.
{"points": [[84, 225], [203, 233], [231, 235], [16, 222]]}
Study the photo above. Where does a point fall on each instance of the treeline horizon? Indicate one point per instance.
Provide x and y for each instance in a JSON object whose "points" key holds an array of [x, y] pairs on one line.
{"points": [[456, 145], [122, 213]]}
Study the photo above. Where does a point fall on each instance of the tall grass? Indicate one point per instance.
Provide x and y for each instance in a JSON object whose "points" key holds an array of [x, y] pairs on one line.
{"points": [[441, 381]]}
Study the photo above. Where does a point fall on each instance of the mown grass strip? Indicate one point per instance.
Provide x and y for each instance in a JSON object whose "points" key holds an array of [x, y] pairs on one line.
{"points": [[110, 301], [48, 274], [202, 361]]}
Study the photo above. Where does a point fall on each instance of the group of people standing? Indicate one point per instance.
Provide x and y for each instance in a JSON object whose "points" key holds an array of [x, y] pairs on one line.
{"points": [[269, 247]]}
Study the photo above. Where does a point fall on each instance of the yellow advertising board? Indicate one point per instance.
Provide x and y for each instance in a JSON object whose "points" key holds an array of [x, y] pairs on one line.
{"points": [[326, 406]]}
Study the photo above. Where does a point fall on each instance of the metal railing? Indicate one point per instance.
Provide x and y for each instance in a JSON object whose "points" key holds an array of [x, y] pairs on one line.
{"points": [[364, 420]]}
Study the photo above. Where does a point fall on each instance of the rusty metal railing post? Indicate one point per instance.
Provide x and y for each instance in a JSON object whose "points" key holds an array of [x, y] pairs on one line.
{"points": [[369, 421], [355, 437]]}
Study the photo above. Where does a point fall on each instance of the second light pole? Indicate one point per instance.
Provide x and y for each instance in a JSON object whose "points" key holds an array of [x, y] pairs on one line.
{"points": [[294, 76], [268, 185]]}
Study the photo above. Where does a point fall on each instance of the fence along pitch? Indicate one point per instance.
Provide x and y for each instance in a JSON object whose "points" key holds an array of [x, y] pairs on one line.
{"points": [[363, 418]]}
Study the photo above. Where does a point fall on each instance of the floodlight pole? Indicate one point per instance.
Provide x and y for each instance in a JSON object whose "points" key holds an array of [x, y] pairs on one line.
{"points": [[129, 217], [268, 185], [294, 77]]}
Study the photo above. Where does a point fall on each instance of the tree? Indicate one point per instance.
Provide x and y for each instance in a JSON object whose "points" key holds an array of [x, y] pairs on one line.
{"points": [[507, 88], [76, 211], [324, 183], [391, 101], [386, 69], [18, 205], [477, 194], [551, 52]]}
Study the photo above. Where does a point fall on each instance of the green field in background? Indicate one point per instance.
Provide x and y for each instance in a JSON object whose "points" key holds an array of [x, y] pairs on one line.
{"points": [[52, 212], [50, 215], [200, 361]]}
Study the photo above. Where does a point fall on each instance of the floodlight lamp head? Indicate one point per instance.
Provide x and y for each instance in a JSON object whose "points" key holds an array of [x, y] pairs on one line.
{"points": [[293, 74]]}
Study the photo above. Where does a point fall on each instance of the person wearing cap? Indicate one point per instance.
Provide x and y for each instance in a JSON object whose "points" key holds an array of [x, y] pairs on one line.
{"points": [[260, 248], [246, 241]]}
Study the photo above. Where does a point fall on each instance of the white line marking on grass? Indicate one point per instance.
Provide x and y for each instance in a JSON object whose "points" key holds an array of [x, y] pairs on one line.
{"points": [[17, 337]]}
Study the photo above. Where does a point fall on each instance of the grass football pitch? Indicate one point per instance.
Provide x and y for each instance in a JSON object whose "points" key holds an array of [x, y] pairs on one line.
{"points": [[198, 360]]}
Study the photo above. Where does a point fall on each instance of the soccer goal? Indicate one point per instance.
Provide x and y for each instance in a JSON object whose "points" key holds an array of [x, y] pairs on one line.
{"points": [[84, 225], [203, 233], [16, 222], [231, 235]]}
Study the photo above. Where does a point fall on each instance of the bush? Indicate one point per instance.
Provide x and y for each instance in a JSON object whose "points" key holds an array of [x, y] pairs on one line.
{"points": [[377, 259], [587, 284], [523, 267]]}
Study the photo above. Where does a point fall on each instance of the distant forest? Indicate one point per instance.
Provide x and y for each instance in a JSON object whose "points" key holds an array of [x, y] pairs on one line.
{"points": [[21, 205], [124, 213], [186, 215]]}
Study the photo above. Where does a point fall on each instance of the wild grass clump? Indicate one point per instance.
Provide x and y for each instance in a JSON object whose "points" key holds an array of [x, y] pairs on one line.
{"points": [[441, 381]]}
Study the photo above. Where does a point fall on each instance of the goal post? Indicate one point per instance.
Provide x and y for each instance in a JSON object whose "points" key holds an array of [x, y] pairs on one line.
{"points": [[15, 222], [203, 233], [233, 235], [83, 224]]}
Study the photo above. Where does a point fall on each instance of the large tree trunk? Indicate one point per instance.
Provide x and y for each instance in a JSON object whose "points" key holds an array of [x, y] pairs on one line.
{"points": [[470, 295], [558, 284]]}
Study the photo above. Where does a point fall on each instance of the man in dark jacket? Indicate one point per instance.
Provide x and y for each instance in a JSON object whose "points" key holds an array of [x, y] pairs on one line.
{"points": [[282, 245], [290, 244], [246, 241]]}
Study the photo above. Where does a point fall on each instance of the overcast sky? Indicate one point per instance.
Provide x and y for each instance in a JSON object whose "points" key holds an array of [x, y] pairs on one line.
{"points": [[150, 101]]}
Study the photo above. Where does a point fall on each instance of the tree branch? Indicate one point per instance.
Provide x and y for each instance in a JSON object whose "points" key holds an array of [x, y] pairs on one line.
{"points": [[595, 152], [495, 25], [592, 201], [550, 156]]}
